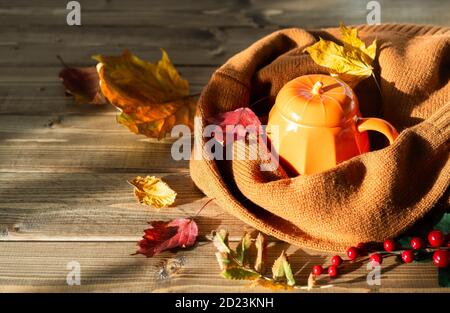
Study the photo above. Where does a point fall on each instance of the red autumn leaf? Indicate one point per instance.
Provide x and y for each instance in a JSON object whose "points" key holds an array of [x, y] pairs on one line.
{"points": [[180, 232], [239, 122], [82, 83]]}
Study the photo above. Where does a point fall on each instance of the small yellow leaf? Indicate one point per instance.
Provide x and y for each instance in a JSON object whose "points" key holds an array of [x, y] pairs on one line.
{"points": [[243, 247], [224, 260], [260, 244], [220, 241], [152, 190], [239, 273], [278, 267], [152, 97], [282, 269], [311, 281], [351, 62], [271, 284]]}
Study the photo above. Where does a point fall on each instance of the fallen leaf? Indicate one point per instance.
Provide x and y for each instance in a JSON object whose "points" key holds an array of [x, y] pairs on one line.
{"points": [[82, 83], [282, 269], [278, 268], [444, 224], [271, 284], [444, 277], [242, 248], [180, 232], [138, 123], [220, 241], [288, 272], [311, 281], [260, 244], [351, 62], [224, 260], [152, 190], [235, 124], [239, 273], [153, 97]]}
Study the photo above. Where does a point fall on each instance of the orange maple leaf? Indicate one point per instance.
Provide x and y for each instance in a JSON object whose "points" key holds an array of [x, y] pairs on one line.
{"points": [[152, 97]]}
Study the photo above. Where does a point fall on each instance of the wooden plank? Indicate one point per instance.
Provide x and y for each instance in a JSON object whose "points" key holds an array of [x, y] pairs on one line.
{"points": [[328, 13], [39, 45], [81, 143], [92, 156], [87, 207], [38, 90], [11, 75], [108, 267], [118, 5], [146, 16], [225, 13]]}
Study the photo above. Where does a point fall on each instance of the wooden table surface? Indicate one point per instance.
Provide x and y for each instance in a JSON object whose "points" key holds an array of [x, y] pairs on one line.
{"points": [[64, 167]]}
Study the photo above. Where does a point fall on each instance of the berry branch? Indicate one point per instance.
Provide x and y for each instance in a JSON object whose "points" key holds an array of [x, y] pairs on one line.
{"points": [[235, 264], [439, 246]]}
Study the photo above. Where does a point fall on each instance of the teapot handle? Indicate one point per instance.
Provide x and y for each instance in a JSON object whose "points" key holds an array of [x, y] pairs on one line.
{"points": [[377, 124]]}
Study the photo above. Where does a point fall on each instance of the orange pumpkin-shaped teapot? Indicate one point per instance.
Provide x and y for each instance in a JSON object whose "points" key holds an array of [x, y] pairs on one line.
{"points": [[316, 124]]}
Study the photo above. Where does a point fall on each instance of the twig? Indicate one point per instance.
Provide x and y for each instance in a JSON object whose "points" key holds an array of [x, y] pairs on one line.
{"points": [[201, 209], [62, 61], [376, 82]]}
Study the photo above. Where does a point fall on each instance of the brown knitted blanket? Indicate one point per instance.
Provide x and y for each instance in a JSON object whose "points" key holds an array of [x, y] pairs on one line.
{"points": [[369, 198]]}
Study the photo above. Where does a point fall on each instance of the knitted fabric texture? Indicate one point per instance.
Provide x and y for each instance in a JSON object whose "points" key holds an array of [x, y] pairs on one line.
{"points": [[371, 197]]}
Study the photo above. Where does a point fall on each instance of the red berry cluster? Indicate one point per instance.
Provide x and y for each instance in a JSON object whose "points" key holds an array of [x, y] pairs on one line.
{"points": [[436, 239], [438, 242]]}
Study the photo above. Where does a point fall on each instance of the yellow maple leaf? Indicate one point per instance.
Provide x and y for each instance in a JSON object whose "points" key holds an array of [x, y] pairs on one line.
{"points": [[350, 38], [351, 62], [152, 97], [152, 190]]}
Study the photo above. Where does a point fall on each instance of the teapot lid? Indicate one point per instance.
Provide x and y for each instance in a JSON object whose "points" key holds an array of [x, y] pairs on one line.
{"points": [[317, 100]]}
